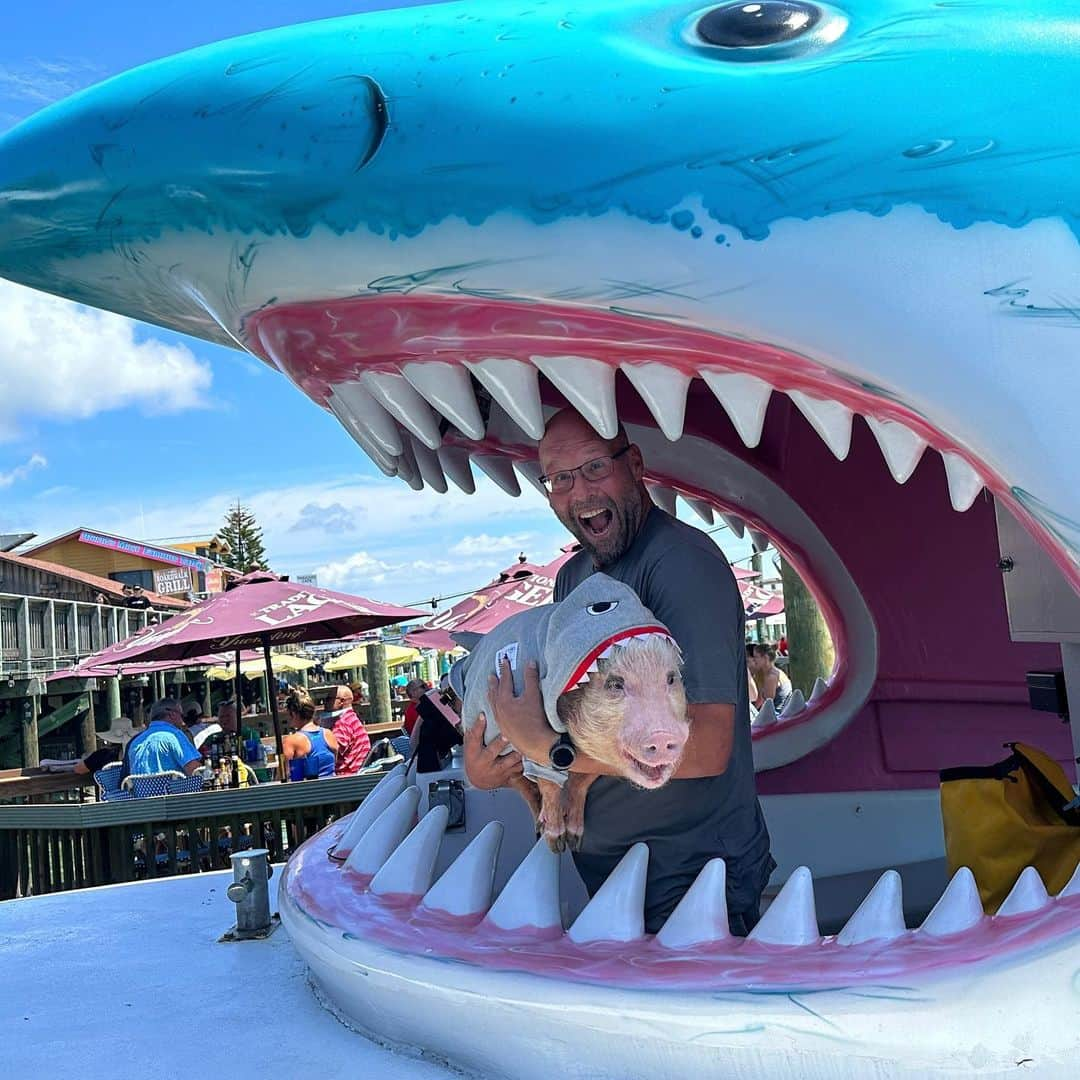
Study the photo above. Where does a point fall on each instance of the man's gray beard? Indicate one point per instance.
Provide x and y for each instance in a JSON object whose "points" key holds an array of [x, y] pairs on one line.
{"points": [[631, 515]]}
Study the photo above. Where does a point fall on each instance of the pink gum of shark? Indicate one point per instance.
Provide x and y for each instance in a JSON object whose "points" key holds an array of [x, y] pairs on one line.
{"points": [[340, 901]]}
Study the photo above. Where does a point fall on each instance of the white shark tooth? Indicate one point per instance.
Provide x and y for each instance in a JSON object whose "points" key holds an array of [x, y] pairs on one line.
{"points": [[964, 482], [1027, 894], [369, 415], [408, 469], [664, 497], [880, 917], [386, 832], [398, 396], [409, 869], [500, 470], [791, 919], [819, 690], [375, 802], [448, 388], [465, 886], [1072, 887], [735, 524], [589, 385], [617, 911], [900, 446], [362, 437], [427, 461], [959, 907], [795, 704], [830, 419], [516, 387], [530, 899], [759, 540], [664, 390], [700, 507], [702, 912], [766, 715], [455, 463], [532, 472], [745, 399]]}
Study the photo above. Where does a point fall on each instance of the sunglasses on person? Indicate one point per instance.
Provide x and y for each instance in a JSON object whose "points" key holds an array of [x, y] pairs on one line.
{"points": [[559, 483]]}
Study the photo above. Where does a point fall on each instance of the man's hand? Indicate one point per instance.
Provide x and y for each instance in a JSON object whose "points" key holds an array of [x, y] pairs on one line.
{"points": [[486, 765], [521, 719]]}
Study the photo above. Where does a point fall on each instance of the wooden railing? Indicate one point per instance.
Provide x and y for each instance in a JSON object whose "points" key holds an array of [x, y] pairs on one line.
{"points": [[53, 848]]}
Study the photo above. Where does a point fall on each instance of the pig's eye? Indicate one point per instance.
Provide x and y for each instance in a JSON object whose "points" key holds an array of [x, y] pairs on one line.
{"points": [[603, 607], [672, 678], [614, 683]]}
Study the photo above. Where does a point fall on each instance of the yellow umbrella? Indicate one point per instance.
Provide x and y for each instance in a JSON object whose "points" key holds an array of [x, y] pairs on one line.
{"points": [[256, 669], [357, 657]]}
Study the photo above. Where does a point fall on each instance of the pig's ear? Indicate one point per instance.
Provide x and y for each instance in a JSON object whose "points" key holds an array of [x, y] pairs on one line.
{"points": [[467, 639]]}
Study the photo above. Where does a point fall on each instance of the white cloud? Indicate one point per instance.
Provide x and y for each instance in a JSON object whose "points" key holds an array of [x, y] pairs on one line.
{"points": [[63, 361], [20, 472], [490, 545], [358, 567]]}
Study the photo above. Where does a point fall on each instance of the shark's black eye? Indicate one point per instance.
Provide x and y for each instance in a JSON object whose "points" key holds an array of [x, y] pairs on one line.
{"points": [[602, 607], [770, 22]]}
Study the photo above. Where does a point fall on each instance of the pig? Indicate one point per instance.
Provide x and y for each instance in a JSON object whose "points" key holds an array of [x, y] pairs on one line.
{"points": [[609, 676]]}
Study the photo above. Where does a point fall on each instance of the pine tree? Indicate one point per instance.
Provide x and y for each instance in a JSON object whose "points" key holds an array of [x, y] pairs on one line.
{"points": [[243, 536]]}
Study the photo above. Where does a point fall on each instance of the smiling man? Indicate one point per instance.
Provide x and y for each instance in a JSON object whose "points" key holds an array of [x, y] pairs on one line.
{"points": [[596, 489]]}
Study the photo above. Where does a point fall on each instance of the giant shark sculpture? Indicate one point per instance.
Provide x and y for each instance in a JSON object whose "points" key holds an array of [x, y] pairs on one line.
{"points": [[736, 228]]}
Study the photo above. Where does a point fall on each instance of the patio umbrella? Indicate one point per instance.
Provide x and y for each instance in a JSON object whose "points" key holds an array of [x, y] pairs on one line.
{"points": [[91, 667], [518, 587], [357, 657], [255, 668], [259, 611]]}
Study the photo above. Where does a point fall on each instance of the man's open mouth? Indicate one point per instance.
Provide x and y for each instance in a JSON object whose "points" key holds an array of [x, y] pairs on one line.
{"points": [[596, 522]]}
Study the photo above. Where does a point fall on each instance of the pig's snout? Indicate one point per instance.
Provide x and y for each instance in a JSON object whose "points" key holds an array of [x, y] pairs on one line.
{"points": [[660, 747]]}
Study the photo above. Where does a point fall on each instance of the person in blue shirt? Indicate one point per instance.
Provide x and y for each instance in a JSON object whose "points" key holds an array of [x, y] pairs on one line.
{"points": [[309, 749], [163, 746]]}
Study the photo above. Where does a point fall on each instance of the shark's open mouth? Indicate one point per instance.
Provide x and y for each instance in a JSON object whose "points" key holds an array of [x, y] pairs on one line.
{"points": [[427, 385]]}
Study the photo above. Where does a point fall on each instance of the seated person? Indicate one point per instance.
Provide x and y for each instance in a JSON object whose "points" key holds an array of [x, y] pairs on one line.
{"points": [[770, 680], [163, 746], [199, 729], [436, 732], [309, 749], [119, 732]]}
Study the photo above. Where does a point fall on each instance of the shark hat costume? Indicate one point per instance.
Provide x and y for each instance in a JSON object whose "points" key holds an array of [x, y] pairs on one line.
{"points": [[567, 640]]}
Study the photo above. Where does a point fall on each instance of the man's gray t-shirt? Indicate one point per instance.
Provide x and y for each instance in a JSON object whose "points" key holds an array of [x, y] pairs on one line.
{"points": [[684, 579]]}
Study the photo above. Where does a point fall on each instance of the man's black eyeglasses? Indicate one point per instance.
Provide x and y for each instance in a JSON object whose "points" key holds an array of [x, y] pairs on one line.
{"points": [[559, 483]]}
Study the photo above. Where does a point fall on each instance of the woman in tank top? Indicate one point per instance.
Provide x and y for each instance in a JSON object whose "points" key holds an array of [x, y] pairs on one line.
{"points": [[770, 680], [312, 748]]}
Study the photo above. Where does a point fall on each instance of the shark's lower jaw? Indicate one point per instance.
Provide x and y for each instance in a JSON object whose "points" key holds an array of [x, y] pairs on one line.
{"points": [[876, 998]]}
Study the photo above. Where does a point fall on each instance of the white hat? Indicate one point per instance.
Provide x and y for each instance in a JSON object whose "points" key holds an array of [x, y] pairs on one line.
{"points": [[120, 730]]}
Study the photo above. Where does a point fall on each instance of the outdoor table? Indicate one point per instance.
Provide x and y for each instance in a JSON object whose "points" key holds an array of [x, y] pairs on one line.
{"points": [[26, 783]]}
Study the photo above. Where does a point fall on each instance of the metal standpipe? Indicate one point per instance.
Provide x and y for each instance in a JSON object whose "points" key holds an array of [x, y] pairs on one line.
{"points": [[250, 892]]}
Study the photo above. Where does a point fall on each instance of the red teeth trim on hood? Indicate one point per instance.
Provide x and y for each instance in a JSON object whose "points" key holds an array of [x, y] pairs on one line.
{"points": [[583, 667]]}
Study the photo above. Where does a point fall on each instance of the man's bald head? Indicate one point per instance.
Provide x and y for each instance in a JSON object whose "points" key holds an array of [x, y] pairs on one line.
{"points": [[568, 428]]}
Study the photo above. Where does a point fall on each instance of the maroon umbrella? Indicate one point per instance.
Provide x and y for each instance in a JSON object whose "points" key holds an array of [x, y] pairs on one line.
{"points": [[759, 603], [523, 585], [259, 612], [91, 666]]}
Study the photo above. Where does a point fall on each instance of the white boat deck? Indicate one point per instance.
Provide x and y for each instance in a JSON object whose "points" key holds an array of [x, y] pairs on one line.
{"points": [[129, 981]]}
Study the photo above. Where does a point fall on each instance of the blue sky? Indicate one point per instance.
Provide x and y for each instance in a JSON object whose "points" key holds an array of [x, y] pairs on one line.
{"points": [[131, 429]]}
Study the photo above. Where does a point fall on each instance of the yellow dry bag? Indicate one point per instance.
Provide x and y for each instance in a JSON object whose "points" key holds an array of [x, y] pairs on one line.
{"points": [[1000, 818]]}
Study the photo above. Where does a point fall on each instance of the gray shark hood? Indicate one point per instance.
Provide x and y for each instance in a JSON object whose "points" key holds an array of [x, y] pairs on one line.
{"points": [[567, 641]]}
